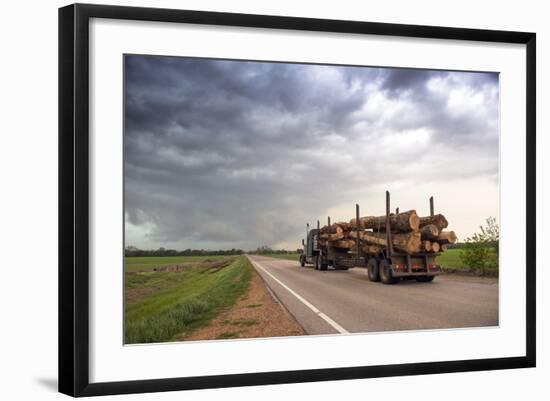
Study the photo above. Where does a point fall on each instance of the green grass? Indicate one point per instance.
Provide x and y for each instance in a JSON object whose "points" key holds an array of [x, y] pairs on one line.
{"points": [[144, 263], [174, 304], [288, 256], [451, 259]]}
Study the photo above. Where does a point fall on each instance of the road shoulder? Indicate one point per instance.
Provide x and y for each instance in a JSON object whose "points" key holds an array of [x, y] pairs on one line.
{"points": [[313, 320], [256, 314]]}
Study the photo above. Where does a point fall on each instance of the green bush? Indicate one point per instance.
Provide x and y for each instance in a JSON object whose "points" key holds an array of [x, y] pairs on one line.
{"points": [[480, 251]]}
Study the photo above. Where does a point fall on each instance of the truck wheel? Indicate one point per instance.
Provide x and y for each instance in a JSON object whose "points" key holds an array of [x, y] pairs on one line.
{"points": [[372, 270], [385, 272], [302, 260], [324, 266], [317, 265], [425, 279]]}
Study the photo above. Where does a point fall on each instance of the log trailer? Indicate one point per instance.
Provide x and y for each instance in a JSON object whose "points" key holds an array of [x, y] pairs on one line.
{"points": [[387, 265]]}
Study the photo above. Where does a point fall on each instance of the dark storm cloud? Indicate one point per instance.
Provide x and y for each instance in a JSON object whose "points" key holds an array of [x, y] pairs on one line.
{"points": [[398, 80], [232, 154]]}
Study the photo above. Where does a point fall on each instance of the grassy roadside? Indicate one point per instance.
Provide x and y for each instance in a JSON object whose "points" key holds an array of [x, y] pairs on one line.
{"points": [[256, 314], [159, 306], [451, 262]]}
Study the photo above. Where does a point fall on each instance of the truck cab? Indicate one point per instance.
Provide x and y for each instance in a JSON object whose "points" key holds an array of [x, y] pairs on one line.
{"points": [[312, 251]]}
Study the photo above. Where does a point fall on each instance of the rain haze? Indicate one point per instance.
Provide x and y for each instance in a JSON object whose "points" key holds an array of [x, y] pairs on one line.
{"points": [[232, 154]]}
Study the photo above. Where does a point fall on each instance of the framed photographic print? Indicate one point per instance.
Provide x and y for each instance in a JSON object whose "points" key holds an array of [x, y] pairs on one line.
{"points": [[251, 199]]}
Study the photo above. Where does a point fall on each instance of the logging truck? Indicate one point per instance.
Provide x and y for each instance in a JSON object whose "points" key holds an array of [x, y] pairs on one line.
{"points": [[388, 254]]}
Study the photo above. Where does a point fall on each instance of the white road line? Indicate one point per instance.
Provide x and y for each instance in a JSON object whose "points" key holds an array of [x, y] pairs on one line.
{"points": [[327, 319]]}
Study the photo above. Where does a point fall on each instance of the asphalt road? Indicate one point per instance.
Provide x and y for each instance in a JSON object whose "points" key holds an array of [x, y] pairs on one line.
{"points": [[327, 302]]}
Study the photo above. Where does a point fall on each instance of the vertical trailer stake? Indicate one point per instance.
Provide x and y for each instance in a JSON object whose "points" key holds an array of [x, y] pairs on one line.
{"points": [[388, 229], [307, 239], [329, 247], [396, 210], [357, 230], [431, 206]]}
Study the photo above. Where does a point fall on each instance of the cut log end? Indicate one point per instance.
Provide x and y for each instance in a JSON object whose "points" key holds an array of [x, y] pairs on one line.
{"points": [[437, 219], [447, 237], [414, 222], [429, 232], [426, 246]]}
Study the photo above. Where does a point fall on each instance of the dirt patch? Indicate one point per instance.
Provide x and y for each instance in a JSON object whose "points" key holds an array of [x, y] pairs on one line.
{"points": [[255, 314], [213, 265], [135, 295]]}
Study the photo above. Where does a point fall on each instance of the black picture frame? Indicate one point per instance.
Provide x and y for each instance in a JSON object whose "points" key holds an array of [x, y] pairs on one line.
{"points": [[74, 198]]}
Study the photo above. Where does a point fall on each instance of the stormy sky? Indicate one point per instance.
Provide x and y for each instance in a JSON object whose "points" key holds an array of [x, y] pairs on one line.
{"points": [[230, 154]]}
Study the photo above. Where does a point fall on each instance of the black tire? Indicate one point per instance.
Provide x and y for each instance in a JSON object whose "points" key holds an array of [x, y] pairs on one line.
{"points": [[320, 264], [425, 279], [385, 272], [302, 260], [372, 270]]}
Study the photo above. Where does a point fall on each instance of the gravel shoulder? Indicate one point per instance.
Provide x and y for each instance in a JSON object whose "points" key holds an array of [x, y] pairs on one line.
{"points": [[256, 314]]}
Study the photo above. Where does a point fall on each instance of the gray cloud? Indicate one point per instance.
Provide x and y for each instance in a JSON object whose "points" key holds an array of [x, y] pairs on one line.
{"points": [[223, 154]]}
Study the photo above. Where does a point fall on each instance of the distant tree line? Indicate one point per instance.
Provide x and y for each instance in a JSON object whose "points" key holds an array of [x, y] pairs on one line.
{"points": [[133, 251], [265, 250]]}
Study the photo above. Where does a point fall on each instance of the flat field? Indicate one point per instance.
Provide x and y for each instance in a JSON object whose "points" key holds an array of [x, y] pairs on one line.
{"points": [[451, 259], [181, 296], [148, 263]]}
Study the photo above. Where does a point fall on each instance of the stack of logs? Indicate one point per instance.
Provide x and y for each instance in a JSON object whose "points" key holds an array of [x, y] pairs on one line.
{"points": [[409, 232]]}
